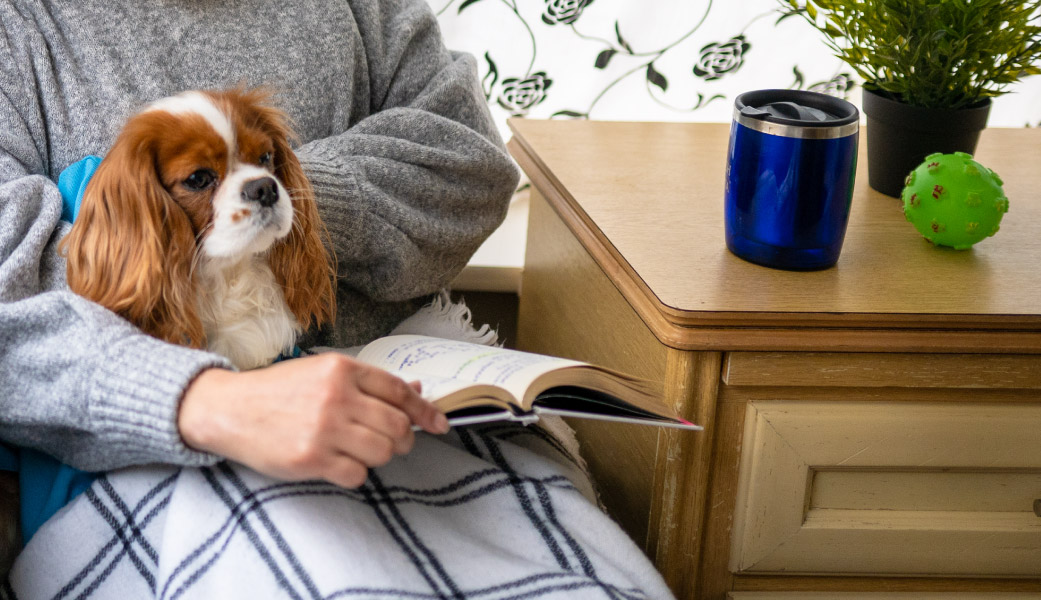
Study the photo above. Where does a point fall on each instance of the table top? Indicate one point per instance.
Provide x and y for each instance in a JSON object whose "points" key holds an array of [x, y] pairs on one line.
{"points": [[646, 199]]}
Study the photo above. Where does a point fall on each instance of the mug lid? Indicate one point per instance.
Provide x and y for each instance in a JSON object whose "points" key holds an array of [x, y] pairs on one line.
{"points": [[796, 113]]}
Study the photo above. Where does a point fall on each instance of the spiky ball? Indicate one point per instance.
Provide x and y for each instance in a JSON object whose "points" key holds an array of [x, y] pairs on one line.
{"points": [[953, 200]]}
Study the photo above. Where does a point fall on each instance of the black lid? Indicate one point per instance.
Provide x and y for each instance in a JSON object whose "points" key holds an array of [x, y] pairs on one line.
{"points": [[796, 108]]}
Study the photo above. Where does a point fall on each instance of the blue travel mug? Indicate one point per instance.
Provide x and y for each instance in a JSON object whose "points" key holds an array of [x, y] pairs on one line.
{"points": [[790, 171]]}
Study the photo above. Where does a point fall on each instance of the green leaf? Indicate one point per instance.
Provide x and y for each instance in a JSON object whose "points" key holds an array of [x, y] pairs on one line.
{"points": [[787, 14], [570, 113], [703, 102], [800, 80], [621, 40], [656, 78], [488, 83], [604, 57]]}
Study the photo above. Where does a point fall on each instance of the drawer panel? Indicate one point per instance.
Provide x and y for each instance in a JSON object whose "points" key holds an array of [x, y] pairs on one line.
{"points": [[826, 369], [889, 488], [923, 490]]}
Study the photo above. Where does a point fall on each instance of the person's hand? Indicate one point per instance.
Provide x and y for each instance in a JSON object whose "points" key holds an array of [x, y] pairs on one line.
{"points": [[320, 417]]}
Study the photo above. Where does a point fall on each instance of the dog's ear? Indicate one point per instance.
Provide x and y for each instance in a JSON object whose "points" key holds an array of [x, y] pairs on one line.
{"points": [[302, 264], [131, 246]]}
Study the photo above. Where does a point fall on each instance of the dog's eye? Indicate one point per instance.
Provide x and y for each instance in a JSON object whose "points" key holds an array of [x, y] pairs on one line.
{"points": [[200, 180], [265, 159]]}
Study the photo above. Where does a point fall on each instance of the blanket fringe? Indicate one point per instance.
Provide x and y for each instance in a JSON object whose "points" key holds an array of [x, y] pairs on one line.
{"points": [[444, 318]]}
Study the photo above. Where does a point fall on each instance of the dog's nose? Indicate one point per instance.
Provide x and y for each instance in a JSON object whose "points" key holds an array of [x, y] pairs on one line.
{"points": [[263, 191]]}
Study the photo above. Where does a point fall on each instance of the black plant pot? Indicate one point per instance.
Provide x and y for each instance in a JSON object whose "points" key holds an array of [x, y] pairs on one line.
{"points": [[900, 136]]}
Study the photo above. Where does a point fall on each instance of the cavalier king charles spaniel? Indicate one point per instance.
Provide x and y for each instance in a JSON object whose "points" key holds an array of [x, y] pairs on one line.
{"points": [[200, 227]]}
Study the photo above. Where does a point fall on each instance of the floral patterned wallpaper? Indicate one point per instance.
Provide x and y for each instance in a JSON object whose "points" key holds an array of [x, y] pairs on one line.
{"points": [[653, 60]]}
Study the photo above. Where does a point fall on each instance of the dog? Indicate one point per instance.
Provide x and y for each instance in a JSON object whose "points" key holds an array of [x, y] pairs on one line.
{"points": [[200, 228]]}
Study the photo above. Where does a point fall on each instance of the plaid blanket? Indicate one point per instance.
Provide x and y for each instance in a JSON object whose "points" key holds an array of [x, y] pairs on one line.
{"points": [[490, 512]]}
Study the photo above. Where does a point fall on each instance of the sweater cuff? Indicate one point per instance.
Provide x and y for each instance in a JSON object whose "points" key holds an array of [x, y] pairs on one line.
{"points": [[135, 393]]}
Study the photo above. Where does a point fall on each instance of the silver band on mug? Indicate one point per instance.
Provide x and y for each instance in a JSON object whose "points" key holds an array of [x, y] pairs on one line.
{"points": [[796, 131]]}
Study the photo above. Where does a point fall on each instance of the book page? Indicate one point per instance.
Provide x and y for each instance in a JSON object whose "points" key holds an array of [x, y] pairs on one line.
{"points": [[511, 370], [452, 394], [434, 387]]}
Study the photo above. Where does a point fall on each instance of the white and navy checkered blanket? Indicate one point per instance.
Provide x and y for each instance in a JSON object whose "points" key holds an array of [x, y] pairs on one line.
{"points": [[491, 512]]}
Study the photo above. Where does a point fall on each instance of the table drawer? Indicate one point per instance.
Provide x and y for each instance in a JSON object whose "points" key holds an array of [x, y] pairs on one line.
{"points": [[898, 488]]}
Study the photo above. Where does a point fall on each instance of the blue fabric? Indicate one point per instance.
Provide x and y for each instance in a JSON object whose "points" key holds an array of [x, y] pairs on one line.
{"points": [[294, 353], [72, 182], [8, 458], [46, 485]]}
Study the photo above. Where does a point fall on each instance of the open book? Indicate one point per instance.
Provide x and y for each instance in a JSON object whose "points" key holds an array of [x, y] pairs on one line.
{"points": [[473, 383]]}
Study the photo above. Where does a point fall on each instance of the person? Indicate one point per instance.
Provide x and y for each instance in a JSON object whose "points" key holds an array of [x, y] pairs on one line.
{"points": [[410, 176], [408, 170]]}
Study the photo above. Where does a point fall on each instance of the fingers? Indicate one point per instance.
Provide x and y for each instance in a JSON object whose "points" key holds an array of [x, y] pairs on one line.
{"points": [[385, 420], [347, 472], [358, 449], [392, 390], [343, 459], [368, 447]]}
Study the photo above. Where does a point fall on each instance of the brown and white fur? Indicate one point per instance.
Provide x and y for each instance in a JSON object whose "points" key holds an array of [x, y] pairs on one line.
{"points": [[200, 227]]}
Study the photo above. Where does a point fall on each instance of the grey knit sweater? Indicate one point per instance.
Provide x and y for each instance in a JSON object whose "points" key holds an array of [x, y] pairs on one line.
{"points": [[395, 135]]}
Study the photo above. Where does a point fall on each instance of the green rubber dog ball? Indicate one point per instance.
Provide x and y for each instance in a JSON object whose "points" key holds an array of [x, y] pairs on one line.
{"points": [[953, 200]]}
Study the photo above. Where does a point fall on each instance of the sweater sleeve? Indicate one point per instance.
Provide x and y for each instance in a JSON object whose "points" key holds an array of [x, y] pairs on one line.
{"points": [[76, 381], [415, 185]]}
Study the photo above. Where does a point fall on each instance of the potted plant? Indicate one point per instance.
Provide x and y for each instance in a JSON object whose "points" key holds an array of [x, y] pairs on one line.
{"points": [[930, 69]]}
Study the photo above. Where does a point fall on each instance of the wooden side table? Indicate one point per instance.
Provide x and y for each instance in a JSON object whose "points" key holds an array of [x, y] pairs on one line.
{"points": [[873, 428]]}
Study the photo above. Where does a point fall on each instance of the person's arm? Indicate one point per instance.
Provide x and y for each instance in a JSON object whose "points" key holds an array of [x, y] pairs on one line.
{"points": [[76, 381], [410, 191]]}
